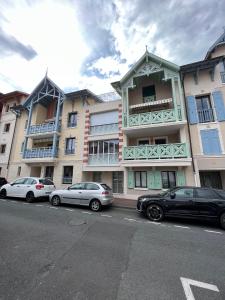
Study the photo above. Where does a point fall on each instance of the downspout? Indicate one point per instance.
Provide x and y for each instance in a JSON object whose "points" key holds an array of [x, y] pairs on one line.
{"points": [[189, 131], [10, 151]]}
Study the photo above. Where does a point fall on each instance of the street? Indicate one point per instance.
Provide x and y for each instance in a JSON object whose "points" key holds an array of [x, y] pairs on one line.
{"points": [[71, 252]]}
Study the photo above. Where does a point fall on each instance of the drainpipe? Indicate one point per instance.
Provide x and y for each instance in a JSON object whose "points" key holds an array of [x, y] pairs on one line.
{"points": [[189, 132]]}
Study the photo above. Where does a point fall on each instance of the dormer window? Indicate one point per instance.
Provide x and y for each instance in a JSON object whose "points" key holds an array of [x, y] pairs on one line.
{"points": [[148, 93]]}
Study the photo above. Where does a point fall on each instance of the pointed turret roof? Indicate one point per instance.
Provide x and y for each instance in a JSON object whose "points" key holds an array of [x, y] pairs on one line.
{"points": [[220, 41]]}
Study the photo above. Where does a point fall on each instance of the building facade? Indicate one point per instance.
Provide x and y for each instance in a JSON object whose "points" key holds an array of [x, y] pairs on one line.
{"points": [[7, 126], [204, 87]]}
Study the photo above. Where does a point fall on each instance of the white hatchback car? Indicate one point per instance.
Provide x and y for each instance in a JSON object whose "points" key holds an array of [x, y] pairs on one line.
{"points": [[28, 187]]}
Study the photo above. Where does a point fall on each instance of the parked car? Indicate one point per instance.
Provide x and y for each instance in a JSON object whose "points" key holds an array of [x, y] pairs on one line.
{"points": [[92, 194], [28, 187], [191, 202], [2, 181]]}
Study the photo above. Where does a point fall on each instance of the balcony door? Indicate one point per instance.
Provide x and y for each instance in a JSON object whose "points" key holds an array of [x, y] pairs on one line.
{"points": [[117, 182]]}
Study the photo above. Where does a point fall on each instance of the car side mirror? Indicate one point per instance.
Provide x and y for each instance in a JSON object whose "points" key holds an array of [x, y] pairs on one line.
{"points": [[172, 195]]}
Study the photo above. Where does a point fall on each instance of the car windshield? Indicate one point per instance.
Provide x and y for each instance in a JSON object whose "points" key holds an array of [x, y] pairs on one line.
{"points": [[106, 187], [46, 181]]}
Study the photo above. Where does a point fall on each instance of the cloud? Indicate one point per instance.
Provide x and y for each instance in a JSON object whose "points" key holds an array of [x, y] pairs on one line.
{"points": [[10, 45]]}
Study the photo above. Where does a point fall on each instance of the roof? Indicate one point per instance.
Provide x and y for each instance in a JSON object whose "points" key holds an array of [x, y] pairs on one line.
{"points": [[201, 65], [218, 42], [7, 96], [83, 93]]}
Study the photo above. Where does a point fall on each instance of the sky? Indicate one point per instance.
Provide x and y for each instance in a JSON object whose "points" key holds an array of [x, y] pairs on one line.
{"points": [[91, 43]]}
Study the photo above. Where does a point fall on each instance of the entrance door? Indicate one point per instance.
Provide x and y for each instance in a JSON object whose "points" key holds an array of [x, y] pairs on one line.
{"points": [[211, 179], [49, 172], [117, 182]]}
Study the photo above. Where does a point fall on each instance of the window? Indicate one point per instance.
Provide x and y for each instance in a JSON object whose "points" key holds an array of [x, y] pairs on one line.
{"points": [[22, 146], [92, 186], [205, 194], [168, 179], [160, 141], [205, 112], [20, 181], [148, 93], [141, 179], [7, 127], [67, 174], [97, 176], [46, 181], [184, 193], [78, 186], [221, 193], [7, 108], [2, 148], [110, 146], [70, 146], [30, 181], [143, 142], [210, 142], [72, 119], [106, 187], [19, 171]]}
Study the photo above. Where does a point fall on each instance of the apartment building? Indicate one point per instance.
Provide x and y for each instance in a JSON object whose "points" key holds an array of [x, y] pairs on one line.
{"points": [[155, 147], [49, 134], [7, 126], [204, 86]]}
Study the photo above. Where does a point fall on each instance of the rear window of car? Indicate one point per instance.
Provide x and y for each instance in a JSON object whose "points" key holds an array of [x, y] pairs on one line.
{"points": [[46, 181], [221, 193], [92, 186], [106, 187]]}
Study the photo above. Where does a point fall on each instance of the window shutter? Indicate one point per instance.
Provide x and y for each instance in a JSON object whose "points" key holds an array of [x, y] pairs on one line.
{"points": [[130, 179], [210, 142], [157, 180], [180, 178], [192, 110], [219, 105], [150, 180]]}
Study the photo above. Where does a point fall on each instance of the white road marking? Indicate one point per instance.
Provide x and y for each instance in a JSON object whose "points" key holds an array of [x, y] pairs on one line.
{"points": [[68, 209], [107, 216], [156, 223], [178, 226], [13, 201], [53, 207], [130, 220], [212, 231], [39, 205], [86, 212], [3, 200], [25, 203], [186, 282]]}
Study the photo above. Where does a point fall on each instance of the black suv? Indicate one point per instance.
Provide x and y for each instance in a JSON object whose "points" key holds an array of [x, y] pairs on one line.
{"points": [[190, 202], [2, 181]]}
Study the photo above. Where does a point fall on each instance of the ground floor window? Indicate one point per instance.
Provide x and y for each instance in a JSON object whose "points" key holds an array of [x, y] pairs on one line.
{"points": [[168, 179], [67, 174], [97, 176], [49, 171], [140, 179], [211, 179]]}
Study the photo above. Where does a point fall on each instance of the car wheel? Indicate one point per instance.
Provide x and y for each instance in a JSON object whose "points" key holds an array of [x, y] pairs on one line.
{"points": [[222, 220], [55, 200], [95, 205], [155, 213], [30, 197], [3, 194]]}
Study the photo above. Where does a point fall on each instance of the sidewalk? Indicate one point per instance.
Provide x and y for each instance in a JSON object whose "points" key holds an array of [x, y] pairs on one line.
{"points": [[120, 201]]}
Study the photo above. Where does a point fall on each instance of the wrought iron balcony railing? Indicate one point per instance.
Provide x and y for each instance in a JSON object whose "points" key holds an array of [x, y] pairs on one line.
{"points": [[155, 117], [39, 153], [106, 128], [205, 115], [103, 159], [165, 151]]}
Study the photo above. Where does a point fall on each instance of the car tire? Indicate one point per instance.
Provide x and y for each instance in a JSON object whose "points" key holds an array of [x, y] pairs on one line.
{"points": [[154, 212], [95, 205], [30, 197], [55, 201], [3, 194], [222, 220]]}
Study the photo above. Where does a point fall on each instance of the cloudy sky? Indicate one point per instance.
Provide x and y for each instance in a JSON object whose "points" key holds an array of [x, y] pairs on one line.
{"points": [[90, 43]]}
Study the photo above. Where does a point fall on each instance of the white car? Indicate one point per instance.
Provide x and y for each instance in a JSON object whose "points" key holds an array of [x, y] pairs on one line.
{"points": [[28, 187]]}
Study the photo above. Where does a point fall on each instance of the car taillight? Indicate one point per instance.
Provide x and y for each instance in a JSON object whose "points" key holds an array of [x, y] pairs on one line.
{"points": [[105, 193], [39, 186]]}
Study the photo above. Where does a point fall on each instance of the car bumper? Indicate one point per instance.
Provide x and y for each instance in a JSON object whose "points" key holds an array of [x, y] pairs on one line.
{"points": [[106, 201]]}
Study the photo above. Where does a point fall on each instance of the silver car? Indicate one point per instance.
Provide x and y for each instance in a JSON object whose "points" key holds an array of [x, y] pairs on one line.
{"points": [[92, 194]]}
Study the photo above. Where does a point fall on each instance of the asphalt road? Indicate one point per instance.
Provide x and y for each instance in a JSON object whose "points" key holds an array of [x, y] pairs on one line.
{"points": [[72, 253]]}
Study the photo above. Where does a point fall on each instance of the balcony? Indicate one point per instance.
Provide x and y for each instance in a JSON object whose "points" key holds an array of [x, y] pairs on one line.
{"points": [[155, 117], [205, 115], [42, 128], [104, 129], [39, 153], [165, 151], [103, 159]]}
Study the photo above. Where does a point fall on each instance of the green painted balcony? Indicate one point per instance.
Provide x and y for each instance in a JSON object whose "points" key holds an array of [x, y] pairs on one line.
{"points": [[165, 151], [155, 117]]}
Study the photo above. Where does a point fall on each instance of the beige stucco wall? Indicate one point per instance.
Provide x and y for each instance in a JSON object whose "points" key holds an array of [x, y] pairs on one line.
{"points": [[163, 90], [219, 51]]}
